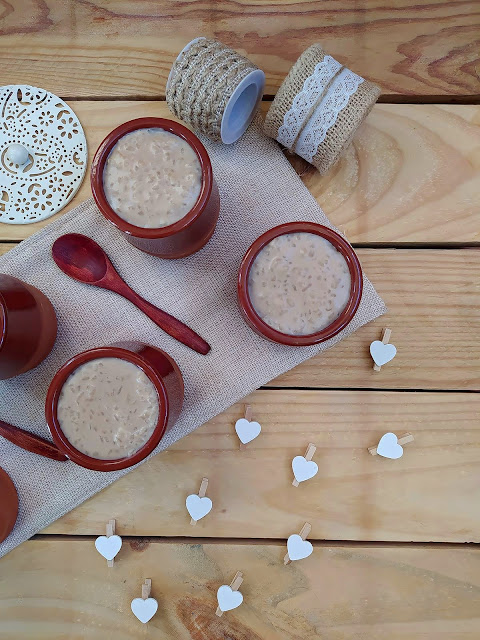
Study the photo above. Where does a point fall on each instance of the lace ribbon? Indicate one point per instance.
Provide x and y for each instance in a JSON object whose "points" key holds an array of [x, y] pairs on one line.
{"points": [[326, 114], [303, 103]]}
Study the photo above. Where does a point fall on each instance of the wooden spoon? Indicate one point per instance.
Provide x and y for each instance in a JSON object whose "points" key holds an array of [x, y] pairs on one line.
{"points": [[84, 260], [8, 504], [31, 442]]}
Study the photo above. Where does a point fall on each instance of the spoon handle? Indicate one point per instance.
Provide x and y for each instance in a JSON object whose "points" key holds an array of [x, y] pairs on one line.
{"points": [[31, 442], [165, 321]]}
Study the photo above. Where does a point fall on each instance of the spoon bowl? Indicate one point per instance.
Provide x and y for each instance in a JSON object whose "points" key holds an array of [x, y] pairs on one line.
{"points": [[81, 257]]}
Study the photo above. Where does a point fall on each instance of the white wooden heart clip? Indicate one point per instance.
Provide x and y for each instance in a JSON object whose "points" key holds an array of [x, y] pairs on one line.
{"points": [[246, 429], [390, 446], [303, 466], [108, 546], [198, 506], [229, 597], [382, 351], [298, 546], [144, 608]]}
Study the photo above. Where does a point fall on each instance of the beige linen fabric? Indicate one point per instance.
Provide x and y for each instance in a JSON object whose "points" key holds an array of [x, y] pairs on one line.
{"points": [[259, 190]]}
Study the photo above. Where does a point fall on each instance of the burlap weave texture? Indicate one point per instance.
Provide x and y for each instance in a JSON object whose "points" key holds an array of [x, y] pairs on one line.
{"points": [[203, 80], [259, 190]]}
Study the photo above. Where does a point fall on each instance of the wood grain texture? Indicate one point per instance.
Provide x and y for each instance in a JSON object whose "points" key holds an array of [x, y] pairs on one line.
{"points": [[63, 589], [433, 297], [412, 174], [120, 48], [427, 495]]}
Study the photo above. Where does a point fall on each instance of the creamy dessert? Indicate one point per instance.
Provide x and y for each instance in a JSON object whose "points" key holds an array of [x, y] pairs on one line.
{"points": [[299, 283], [152, 178], [108, 408]]}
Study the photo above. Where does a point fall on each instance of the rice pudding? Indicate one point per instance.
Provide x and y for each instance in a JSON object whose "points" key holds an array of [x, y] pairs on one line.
{"points": [[108, 408], [299, 283], [152, 178]]}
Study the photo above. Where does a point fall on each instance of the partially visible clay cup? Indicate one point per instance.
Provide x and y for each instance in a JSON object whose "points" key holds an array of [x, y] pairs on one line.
{"points": [[28, 326]]}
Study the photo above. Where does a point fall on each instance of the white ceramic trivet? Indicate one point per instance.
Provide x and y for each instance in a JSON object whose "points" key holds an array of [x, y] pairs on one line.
{"points": [[43, 154]]}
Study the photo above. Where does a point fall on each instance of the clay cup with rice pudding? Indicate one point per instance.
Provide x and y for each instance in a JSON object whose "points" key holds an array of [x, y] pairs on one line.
{"points": [[299, 284], [152, 178], [109, 407]]}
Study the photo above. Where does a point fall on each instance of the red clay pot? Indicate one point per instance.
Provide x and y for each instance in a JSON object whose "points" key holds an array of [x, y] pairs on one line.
{"points": [[265, 330], [161, 369], [28, 326], [9, 510], [184, 237]]}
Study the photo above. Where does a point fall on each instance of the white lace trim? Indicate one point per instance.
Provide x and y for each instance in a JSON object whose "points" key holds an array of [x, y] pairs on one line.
{"points": [[312, 89], [326, 114]]}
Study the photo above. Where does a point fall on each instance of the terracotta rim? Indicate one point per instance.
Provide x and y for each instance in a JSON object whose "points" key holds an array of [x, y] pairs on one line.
{"points": [[254, 320], [100, 159], [52, 402], [3, 321]]}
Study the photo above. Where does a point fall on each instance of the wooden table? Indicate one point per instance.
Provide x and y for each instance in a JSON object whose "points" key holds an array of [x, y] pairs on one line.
{"points": [[390, 559]]}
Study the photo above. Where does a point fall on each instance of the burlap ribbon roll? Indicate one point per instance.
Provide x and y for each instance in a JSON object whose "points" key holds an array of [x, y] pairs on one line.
{"points": [[318, 108], [214, 89]]}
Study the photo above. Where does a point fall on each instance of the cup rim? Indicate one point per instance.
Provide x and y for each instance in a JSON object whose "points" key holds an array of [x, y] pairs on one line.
{"points": [[3, 321], [60, 439], [101, 156], [345, 317]]}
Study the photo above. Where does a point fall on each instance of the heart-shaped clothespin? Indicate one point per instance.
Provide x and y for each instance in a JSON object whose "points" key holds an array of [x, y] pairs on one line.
{"points": [[108, 546], [145, 608], [298, 546], [303, 466], [198, 506], [229, 597], [390, 446], [246, 429], [381, 351]]}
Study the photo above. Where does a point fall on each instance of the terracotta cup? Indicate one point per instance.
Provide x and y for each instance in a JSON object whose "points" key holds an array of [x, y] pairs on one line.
{"points": [[160, 368], [265, 330], [182, 238], [28, 326], [9, 505]]}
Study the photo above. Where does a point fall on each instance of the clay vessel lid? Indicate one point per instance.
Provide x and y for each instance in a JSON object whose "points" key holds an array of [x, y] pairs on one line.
{"points": [[8, 505]]}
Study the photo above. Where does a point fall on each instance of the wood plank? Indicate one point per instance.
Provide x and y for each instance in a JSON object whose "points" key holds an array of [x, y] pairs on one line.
{"points": [[412, 174], [427, 495], [433, 297], [122, 48], [63, 589]]}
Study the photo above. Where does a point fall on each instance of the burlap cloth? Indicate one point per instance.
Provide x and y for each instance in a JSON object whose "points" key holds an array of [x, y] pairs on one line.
{"points": [[259, 190], [340, 135]]}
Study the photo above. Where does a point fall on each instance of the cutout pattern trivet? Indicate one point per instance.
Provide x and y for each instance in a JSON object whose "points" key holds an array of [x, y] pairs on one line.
{"points": [[54, 156]]}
